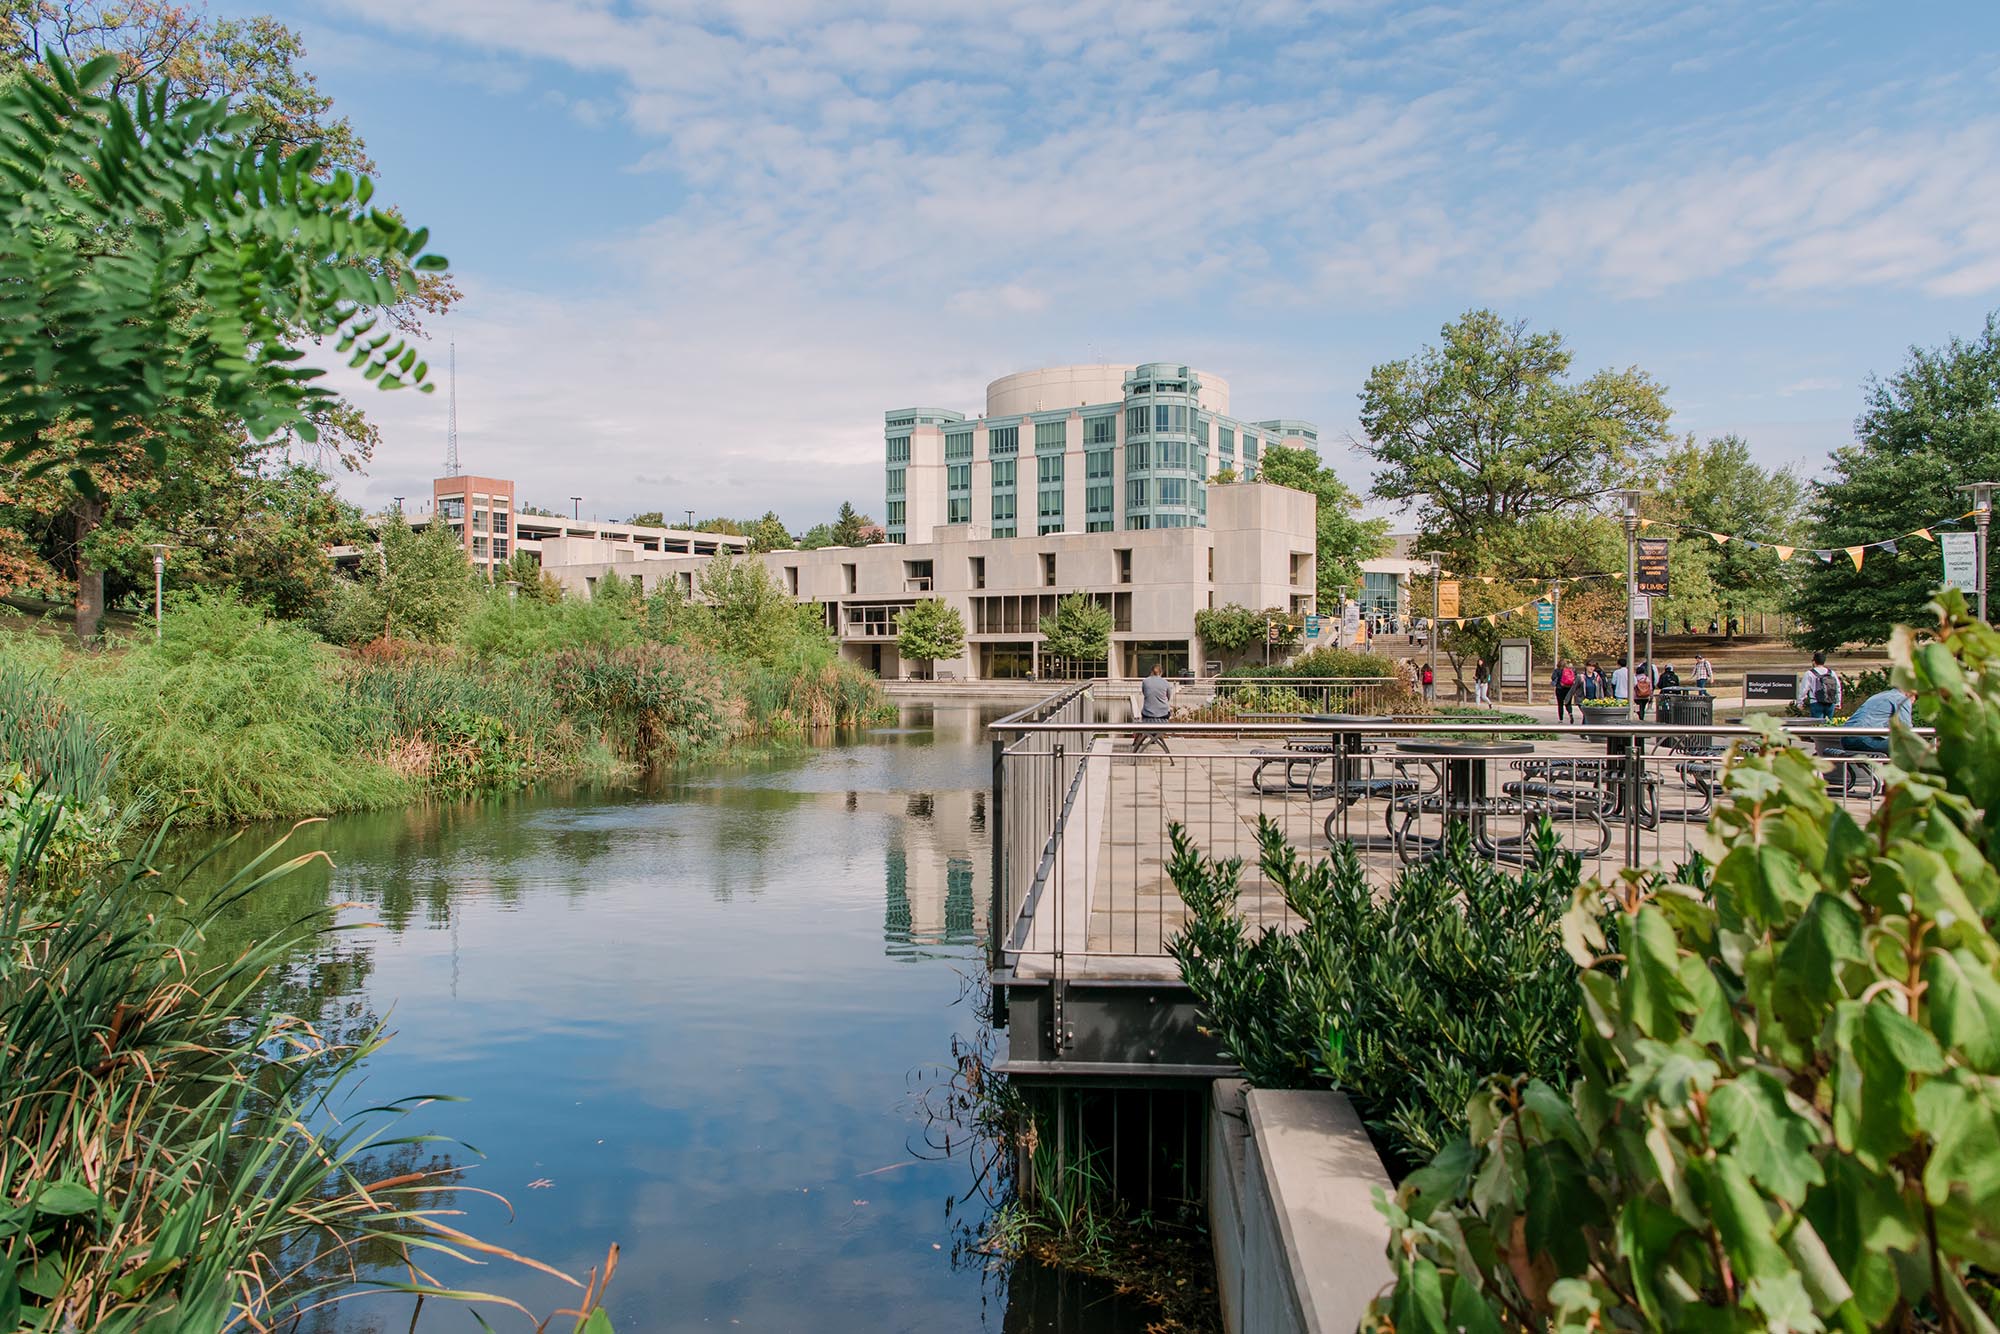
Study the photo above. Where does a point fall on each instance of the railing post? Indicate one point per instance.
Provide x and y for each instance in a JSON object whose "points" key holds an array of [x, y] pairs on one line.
{"points": [[1635, 788], [998, 833]]}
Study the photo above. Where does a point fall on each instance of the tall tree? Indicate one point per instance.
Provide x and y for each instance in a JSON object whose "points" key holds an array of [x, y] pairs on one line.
{"points": [[1487, 429], [769, 533], [417, 586], [1345, 538], [1927, 430], [850, 526], [1718, 487], [157, 264]]}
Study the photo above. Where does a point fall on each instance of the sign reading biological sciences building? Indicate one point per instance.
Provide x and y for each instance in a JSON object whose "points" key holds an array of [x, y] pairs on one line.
{"points": [[1652, 567]]}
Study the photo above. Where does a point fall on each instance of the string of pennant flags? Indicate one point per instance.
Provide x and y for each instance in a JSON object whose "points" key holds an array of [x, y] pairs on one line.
{"points": [[1887, 545]]}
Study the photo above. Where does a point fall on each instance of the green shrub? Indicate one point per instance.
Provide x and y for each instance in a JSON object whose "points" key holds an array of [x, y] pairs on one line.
{"points": [[1323, 663], [232, 717], [456, 724], [651, 702], [45, 739], [1789, 1108], [1407, 1000]]}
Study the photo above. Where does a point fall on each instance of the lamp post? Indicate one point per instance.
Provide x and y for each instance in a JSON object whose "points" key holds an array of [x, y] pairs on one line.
{"points": [[1631, 496], [1340, 626], [159, 582], [1437, 572], [1982, 516], [690, 515], [575, 508]]}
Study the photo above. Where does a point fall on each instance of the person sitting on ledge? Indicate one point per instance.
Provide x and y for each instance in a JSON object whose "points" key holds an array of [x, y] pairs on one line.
{"points": [[1876, 711]]}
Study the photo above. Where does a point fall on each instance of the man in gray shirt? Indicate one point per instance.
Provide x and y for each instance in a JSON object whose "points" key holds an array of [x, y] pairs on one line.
{"points": [[1156, 694]]}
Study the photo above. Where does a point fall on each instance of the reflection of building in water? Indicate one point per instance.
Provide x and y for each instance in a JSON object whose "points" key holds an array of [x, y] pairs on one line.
{"points": [[937, 868]]}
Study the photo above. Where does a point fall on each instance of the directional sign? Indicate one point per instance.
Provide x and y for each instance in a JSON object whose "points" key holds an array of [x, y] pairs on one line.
{"points": [[1545, 615], [1770, 685]]}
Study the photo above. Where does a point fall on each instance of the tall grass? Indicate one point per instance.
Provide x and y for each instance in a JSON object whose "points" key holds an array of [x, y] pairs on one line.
{"points": [[442, 722], [175, 1154], [48, 739]]}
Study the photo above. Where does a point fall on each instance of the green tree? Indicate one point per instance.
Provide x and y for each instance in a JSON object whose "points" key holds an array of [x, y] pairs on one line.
{"points": [[1718, 487], [418, 586], [769, 533], [154, 259], [815, 537], [731, 527], [1345, 539], [1927, 430], [1486, 429], [649, 519], [850, 526], [930, 631], [1080, 630]]}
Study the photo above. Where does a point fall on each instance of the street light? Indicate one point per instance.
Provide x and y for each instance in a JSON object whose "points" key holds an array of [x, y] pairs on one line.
{"points": [[159, 581], [575, 504], [1982, 515], [1631, 496], [690, 515], [1437, 572]]}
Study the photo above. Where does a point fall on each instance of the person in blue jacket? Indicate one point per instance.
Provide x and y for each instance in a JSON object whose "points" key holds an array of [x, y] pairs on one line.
{"points": [[1876, 711]]}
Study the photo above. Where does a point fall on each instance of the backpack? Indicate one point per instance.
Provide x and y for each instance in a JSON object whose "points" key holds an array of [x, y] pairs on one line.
{"points": [[1427, 676], [1568, 677], [1642, 686], [1826, 690]]}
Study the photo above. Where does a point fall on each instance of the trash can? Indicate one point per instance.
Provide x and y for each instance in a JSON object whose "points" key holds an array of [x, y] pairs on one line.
{"points": [[1687, 708]]}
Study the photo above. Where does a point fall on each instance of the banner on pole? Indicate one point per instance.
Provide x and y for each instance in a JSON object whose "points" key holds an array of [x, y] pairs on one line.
{"points": [[1652, 568], [1350, 622], [1312, 627], [1642, 607], [1961, 560], [1545, 615], [1447, 599]]}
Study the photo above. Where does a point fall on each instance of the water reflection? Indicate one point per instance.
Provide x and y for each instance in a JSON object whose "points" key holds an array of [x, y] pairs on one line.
{"points": [[687, 1017]]}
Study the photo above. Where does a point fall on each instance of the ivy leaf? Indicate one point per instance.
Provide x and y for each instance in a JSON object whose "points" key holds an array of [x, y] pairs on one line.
{"points": [[1964, 1003], [1827, 938], [1879, 1049], [1654, 995], [1751, 1117], [1961, 1114]]}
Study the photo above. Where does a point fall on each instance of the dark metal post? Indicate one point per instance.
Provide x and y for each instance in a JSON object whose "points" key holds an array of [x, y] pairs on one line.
{"points": [[1982, 516], [997, 831]]}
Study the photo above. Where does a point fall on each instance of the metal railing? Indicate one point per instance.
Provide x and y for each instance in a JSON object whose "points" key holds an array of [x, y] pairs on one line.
{"points": [[1252, 698], [1081, 861]]}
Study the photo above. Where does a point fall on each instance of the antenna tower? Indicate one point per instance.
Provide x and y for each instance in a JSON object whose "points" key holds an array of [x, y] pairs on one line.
{"points": [[451, 421]]}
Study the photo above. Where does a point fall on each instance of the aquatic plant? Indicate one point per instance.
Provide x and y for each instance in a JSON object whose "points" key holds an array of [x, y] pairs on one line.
{"points": [[176, 1154]]}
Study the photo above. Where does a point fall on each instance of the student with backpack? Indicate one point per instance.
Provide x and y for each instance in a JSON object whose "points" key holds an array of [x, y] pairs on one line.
{"points": [[1430, 684], [1642, 688], [1819, 689]]}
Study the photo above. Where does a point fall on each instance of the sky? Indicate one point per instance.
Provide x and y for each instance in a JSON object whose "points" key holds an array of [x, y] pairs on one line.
{"points": [[706, 244]]}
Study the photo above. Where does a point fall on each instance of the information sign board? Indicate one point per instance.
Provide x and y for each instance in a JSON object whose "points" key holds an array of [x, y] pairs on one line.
{"points": [[1447, 599], [1770, 685], [1961, 560], [1545, 615]]}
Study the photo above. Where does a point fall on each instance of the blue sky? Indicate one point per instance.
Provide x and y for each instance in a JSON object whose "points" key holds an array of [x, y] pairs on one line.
{"points": [[705, 243]]}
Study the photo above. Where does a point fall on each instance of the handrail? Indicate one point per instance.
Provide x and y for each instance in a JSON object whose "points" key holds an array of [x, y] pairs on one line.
{"points": [[1589, 731]]}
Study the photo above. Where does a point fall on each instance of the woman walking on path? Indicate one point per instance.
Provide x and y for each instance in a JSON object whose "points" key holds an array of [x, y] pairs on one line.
{"points": [[1482, 679]]}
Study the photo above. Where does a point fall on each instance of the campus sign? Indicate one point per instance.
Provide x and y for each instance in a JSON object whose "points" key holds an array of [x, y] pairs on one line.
{"points": [[1652, 567], [1545, 615], [1770, 685], [1447, 599], [1961, 560]]}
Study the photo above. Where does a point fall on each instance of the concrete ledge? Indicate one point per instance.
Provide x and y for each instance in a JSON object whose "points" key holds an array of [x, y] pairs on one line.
{"points": [[1305, 1250]]}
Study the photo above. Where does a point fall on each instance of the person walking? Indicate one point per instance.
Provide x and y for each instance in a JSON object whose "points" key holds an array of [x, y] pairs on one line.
{"points": [[1819, 690], [1621, 682], [1668, 678], [1482, 680], [1592, 684], [1642, 689], [1430, 685], [1704, 674]]}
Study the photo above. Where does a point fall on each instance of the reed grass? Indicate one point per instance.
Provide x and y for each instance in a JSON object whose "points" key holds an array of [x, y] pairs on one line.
{"points": [[176, 1154]]}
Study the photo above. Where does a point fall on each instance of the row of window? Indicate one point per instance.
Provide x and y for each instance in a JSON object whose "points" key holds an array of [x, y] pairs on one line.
{"points": [[899, 449], [957, 445], [1003, 440], [897, 481], [1051, 435]]}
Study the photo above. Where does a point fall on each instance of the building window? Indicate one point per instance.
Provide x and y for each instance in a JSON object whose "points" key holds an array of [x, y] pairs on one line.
{"points": [[976, 567], [1250, 443], [1173, 491], [1135, 493], [451, 508], [1003, 531], [1003, 472], [1049, 469], [1100, 431], [1003, 440], [1098, 526], [896, 513], [958, 477], [1138, 522], [1097, 500], [1124, 565], [1003, 507], [1051, 435], [896, 481], [957, 445], [1225, 442], [899, 449], [1136, 422], [1049, 503], [1173, 454], [958, 509], [1048, 569], [1138, 458], [1097, 464], [849, 578]]}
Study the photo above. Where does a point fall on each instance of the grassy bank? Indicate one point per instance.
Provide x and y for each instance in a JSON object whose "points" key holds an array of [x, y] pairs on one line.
{"points": [[234, 716]]}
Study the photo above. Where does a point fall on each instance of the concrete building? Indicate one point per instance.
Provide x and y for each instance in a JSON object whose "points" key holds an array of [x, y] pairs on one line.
{"points": [[480, 512], [1256, 549], [1073, 449]]}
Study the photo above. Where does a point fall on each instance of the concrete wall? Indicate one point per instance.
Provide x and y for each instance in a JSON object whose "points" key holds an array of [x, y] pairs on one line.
{"points": [[1299, 1246], [1245, 555]]}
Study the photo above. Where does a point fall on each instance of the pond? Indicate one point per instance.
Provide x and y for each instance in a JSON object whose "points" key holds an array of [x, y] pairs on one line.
{"points": [[694, 1018]]}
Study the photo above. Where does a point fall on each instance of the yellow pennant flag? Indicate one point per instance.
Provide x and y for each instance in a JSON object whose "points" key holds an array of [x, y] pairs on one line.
{"points": [[1645, 523], [1784, 553], [1721, 539], [1924, 533], [1854, 554]]}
